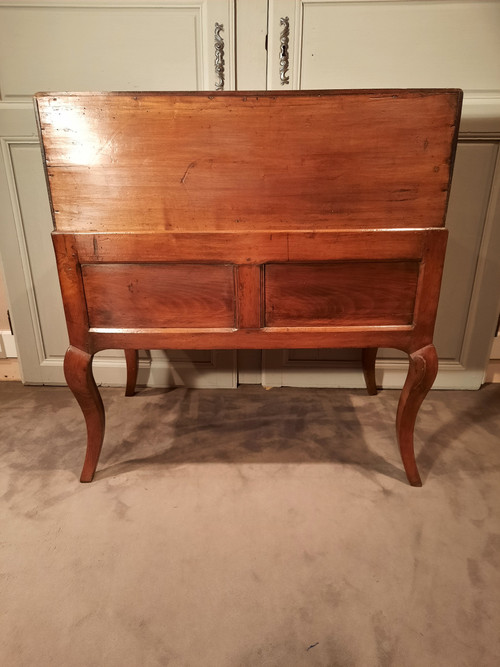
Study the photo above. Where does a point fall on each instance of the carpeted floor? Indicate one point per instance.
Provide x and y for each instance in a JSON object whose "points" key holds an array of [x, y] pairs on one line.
{"points": [[249, 528]]}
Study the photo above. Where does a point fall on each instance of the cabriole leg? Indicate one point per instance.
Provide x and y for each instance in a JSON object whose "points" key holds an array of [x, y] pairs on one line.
{"points": [[368, 356], [78, 373], [421, 375], [132, 359]]}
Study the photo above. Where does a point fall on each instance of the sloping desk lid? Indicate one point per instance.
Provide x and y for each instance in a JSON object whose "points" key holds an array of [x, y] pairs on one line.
{"points": [[249, 161]]}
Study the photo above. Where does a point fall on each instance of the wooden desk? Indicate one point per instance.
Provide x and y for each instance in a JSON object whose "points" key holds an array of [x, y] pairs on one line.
{"points": [[244, 220]]}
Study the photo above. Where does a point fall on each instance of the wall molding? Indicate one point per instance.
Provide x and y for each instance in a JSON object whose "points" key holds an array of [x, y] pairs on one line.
{"points": [[278, 371], [6, 144], [219, 372]]}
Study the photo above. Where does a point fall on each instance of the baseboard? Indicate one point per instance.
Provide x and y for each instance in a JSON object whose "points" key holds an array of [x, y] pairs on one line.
{"points": [[112, 372], [7, 345], [390, 374]]}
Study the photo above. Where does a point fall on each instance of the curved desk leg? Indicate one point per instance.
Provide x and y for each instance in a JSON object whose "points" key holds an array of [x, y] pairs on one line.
{"points": [[78, 372], [421, 375], [132, 359], [368, 356]]}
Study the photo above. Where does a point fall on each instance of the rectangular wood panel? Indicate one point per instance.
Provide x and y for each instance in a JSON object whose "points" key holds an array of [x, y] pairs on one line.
{"points": [[159, 295], [249, 247], [331, 294], [195, 162], [249, 284]]}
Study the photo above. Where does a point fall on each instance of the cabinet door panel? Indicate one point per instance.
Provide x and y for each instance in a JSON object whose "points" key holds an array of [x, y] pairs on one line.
{"points": [[400, 43], [165, 47]]}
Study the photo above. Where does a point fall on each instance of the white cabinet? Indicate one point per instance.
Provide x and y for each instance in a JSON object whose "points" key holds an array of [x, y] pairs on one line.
{"points": [[171, 44]]}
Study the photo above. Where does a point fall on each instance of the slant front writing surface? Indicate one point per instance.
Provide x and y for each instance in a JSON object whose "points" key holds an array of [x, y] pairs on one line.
{"points": [[281, 160], [232, 220]]}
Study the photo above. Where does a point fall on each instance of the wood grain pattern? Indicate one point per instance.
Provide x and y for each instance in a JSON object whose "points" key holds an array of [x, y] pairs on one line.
{"points": [[250, 247], [356, 293], [249, 297], [269, 338], [195, 162], [70, 279], [429, 286], [142, 295]]}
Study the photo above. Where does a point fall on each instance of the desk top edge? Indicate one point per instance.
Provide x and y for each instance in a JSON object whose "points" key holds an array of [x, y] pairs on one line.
{"points": [[386, 92]]}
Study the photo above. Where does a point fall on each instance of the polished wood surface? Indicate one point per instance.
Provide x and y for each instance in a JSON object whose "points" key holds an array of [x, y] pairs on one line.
{"points": [[132, 361], [250, 247], [232, 220], [421, 375], [416, 255], [138, 296], [368, 358], [78, 373], [328, 294], [280, 160]]}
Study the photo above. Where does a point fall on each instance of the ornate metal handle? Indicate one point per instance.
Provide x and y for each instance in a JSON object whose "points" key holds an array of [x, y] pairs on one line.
{"points": [[284, 58], [219, 57]]}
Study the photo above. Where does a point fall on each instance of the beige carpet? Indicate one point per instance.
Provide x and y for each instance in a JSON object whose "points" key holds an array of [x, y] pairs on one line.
{"points": [[249, 528]]}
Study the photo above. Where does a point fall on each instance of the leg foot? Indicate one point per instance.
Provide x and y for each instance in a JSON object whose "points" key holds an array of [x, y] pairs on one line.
{"points": [[132, 359], [78, 372], [421, 375], [368, 356]]}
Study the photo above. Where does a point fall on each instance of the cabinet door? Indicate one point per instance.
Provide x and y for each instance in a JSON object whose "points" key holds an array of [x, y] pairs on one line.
{"points": [[401, 43], [103, 45]]}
